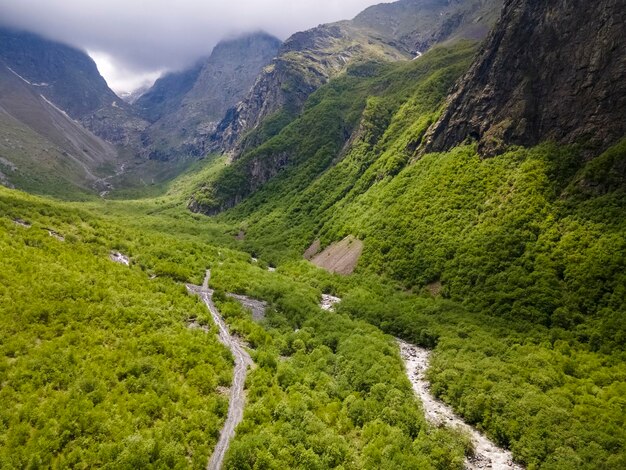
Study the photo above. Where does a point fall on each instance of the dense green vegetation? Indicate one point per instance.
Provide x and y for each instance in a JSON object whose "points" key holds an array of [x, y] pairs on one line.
{"points": [[328, 391], [101, 368], [98, 367], [524, 254], [362, 100]]}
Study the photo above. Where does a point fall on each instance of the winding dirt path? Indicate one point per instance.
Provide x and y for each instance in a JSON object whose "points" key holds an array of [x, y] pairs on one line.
{"points": [[487, 454], [242, 361]]}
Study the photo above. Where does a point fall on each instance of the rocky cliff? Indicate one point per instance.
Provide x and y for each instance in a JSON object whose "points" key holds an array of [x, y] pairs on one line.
{"points": [[167, 93], [185, 107], [549, 71], [417, 25], [307, 60]]}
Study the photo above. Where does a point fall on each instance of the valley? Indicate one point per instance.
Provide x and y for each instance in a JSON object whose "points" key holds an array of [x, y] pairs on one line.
{"points": [[391, 242]]}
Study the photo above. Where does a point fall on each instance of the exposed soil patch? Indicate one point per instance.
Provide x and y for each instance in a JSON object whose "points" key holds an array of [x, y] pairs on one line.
{"points": [[435, 288], [312, 250], [341, 257]]}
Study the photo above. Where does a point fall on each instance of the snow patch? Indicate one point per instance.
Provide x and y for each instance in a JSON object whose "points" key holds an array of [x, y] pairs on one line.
{"points": [[19, 76]]}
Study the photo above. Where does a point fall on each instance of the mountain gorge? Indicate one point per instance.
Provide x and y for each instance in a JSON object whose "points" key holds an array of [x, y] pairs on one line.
{"points": [[459, 168], [387, 32]]}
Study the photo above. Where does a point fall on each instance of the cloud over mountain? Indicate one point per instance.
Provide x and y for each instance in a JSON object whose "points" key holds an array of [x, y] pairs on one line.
{"points": [[149, 35]]}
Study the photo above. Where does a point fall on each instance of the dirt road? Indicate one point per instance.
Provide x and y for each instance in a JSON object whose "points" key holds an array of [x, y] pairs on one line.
{"points": [[487, 454], [237, 393]]}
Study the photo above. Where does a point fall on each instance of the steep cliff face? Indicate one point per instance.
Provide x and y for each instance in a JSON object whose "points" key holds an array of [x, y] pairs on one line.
{"points": [[185, 107], [307, 60], [549, 71], [167, 93]]}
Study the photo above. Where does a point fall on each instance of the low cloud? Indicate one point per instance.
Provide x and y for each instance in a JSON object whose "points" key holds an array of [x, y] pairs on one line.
{"points": [[143, 37]]}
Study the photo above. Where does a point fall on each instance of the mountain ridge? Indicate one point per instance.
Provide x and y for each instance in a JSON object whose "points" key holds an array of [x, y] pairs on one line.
{"points": [[310, 58], [186, 106]]}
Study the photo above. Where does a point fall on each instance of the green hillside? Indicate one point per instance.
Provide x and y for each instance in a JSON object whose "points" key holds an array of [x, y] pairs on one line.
{"points": [[510, 268], [524, 254]]}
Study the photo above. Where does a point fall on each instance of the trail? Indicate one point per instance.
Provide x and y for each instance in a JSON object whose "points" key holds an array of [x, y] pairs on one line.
{"points": [[487, 455], [242, 361]]}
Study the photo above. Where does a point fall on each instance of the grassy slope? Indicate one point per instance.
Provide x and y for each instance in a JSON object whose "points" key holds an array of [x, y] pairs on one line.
{"points": [[528, 246]]}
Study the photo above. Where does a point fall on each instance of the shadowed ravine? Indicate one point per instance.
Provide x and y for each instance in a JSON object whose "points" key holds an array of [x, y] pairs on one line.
{"points": [[242, 361]]}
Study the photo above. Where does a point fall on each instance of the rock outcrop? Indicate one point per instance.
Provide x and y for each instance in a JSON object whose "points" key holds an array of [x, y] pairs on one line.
{"points": [[417, 25], [549, 71], [305, 62]]}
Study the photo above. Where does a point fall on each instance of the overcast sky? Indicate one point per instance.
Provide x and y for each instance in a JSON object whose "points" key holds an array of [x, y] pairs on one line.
{"points": [[134, 40]]}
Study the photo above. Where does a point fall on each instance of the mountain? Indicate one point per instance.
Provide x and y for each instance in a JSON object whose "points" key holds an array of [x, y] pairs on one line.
{"points": [[307, 60], [185, 107], [541, 79], [166, 95], [510, 269], [42, 148], [419, 24], [69, 78], [533, 239]]}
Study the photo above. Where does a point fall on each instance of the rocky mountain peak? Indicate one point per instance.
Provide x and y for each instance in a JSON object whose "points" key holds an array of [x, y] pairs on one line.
{"points": [[308, 59]]}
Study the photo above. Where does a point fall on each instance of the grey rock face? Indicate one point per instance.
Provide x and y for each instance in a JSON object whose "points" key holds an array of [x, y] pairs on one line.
{"points": [[167, 93], [306, 61], [417, 25], [549, 71], [185, 107]]}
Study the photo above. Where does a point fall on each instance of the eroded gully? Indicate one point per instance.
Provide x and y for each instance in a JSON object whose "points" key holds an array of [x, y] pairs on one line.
{"points": [[487, 455], [237, 397]]}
